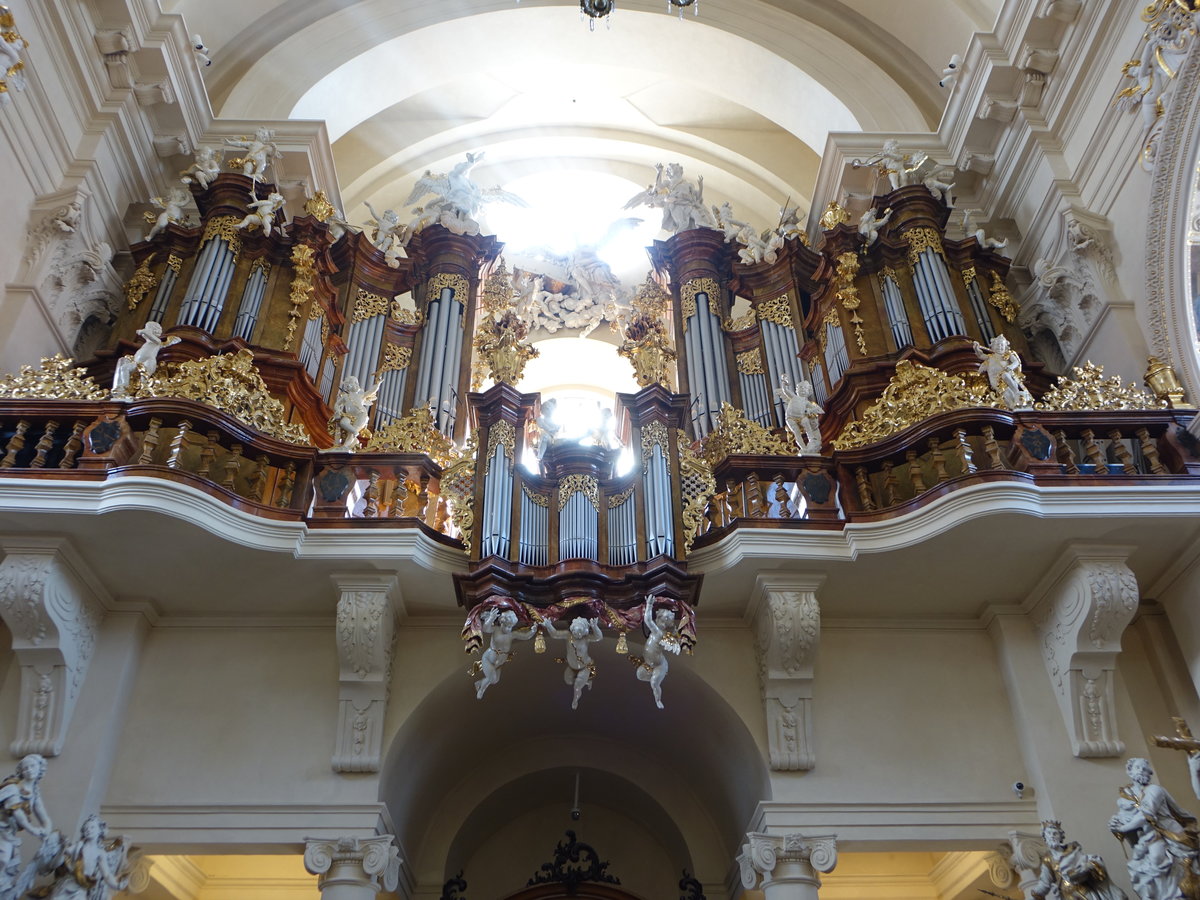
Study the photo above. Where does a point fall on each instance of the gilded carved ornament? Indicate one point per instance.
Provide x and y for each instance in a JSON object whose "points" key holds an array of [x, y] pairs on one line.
{"points": [[500, 434], [735, 434], [457, 485], [646, 342], [535, 498], [1090, 390], [914, 394], [395, 358], [224, 228], [56, 378], [1164, 383], [414, 433], [579, 484], [500, 336], [688, 292], [835, 214], [741, 323], [443, 280], [1000, 298], [619, 499], [319, 207], [368, 305], [696, 487], [140, 283], [922, 239], [652, 434], [750, 362], [405, 316], [968, 275], [304, 272], [777, 310], [847, 295]]}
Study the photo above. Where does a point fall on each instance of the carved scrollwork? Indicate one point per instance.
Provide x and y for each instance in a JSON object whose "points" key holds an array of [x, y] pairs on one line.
{"points": [[696, 487], [443, 280], [575, 484], [368, 305], [777, 310], [922, 239], [501, 434], [224, 228], [57, 378], [395, 358], [750, 362], [1090, 390], [691, 288], [304, 273], [415, 433], [142, 282], [735, 434]]}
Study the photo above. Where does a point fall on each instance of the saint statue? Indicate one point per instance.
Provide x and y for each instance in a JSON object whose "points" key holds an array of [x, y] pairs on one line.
{"points": [[1067, 873], [580, 667], [1161, 838]]}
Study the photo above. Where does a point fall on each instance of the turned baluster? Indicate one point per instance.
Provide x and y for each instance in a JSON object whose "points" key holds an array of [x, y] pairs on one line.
{"points": [[258, 480], [915, 475], [1093, 451], [14, 446], [992, 448], [371, 509], [1066, 456], [44, 446], [287, 486], [150, 442], [962, 449], [423, 496], [865, 495], [755, 505], [73, 445], [174, 457], [1124, 457], [1150, 451], [207, 453], [734, 499], [938, 459], [232, 466], [399, 495], [889, 484], [781, 497]]}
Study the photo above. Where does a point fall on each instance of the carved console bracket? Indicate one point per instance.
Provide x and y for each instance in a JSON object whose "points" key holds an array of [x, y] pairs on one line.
{"points": [[1080, 609], [778, 859], [367, 610], [786, 619], [346, 863], [53, 606]]}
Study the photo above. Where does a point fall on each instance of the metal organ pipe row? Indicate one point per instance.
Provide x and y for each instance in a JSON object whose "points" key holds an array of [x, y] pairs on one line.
{"points": [[782, 351], [497, 504], [935, 294], [252, 297], [441, 357], [205, 297], [708, 374], [578, 528]]}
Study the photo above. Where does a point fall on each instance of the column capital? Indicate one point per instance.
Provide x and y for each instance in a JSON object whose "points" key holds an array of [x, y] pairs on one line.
{"points": [[763, 852], [371, 862]]}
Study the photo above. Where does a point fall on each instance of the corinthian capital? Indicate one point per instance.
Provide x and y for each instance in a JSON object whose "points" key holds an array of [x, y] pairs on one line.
{"points": [[763, 853], [372, 862]]}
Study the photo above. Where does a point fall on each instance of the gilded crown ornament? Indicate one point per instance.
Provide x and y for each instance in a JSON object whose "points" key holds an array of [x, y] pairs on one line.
{"points": [[500, 338], [647, 343]]}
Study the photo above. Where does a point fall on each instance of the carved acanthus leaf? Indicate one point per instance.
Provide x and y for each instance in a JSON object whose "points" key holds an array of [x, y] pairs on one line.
{"points": [[1090, 390]]}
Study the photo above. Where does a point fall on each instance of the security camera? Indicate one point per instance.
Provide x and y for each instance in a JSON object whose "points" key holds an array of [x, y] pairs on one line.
{"points": [[575, 814], [1019, 788]]}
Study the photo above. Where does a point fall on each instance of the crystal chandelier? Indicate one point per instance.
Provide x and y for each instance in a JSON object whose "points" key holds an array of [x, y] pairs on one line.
{"points": [[602, 9]]}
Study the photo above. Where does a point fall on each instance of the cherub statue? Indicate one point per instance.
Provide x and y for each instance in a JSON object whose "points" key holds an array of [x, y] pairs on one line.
{"points": [[1000, 362], [604, 433], [980, 236], [1067, 873], [892, 162], [145, 359], [12, 68], [263, 214], [21, 809], [870, 223], [261, 151], [457, 199], [352, 410], [172, 210], [389, 235], [547, 428], [90, 868], [726, 223], [789, 226], [936, 183], [662, 636], [682, 202], [801, 413], [204, 170], [759, 248], [1164, 862], [580, 665], [501, 626]]}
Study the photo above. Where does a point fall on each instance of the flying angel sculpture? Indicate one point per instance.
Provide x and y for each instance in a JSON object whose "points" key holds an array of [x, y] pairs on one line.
{"points": [[456, 199]]}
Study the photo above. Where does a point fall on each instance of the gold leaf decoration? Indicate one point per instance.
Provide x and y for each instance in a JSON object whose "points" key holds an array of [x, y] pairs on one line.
{"points": [[750, 362], [735, 434], [405, 316], [368, 305], [1000, 298], [415, 433], [654, 433], [500, 434], [500, 337], [231, 383], [688, 292], [443, 280], [458, 487], [619, 499], [777, 310], [914, 394], [579, 484], [920, 240], [535, 498], [741, 323], [1090, 390], [395, 358], [646, 341], [141, 283], [304, 266], [696, 487], [56, 378], [835, 214], [847, 295], [319, 207], [224, 228]]}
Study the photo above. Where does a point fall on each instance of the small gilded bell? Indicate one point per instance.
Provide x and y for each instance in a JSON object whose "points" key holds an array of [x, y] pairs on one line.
{"points": [[539, 641], [622, 644]]}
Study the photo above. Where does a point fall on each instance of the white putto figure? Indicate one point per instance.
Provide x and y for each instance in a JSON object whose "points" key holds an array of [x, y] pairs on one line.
{"points": [[870, 223], [1067, 873], [1161, 838], [12, 69], [204, 170], [662, 636], [501, 626], [1002, 365], [801, 413], [172, 210], [261, 151], [146, 358], [580, 667], [21, 809], [352, 410], [456, 198], [681, 202], [90, 868], [263, 215], [389, 236]]}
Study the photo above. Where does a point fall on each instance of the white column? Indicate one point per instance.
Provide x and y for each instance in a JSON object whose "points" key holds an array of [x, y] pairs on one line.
{"points": [[786, 619], [353, 868], [786, 866]]}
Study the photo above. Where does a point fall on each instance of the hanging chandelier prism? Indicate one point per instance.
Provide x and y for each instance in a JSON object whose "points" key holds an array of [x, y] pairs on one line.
{"points": [[602, 9]]}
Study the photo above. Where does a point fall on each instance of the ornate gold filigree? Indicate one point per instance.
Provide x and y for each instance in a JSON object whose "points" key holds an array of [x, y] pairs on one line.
{"points": [[395, 358], [619, 499], [1164, 383], [500, 434], [1090, 390], [750, 362], [777, 310], [319, 207], [304, 273], [969, 275], [741, 323], [231, 383], [262, 264], [579, 484], [458, 487], [922, 239], [535, 498], [405, 316], [690, 289], [735, 434], [414, 433], [368, 305], [696, 487], [57, 378], [316, 311], [847, 295], [141, 283], [500, 337], [835, 214], [888, 272], [654, 433], [1000, 298], [225, 228], [443, 280], [647, 343], [914, 394], [831, 320]]}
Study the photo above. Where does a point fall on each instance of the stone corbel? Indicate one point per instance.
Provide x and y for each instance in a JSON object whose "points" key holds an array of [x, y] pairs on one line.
{"points": [[153, 93], [996, 109], [1025, 852], [368, 606], [53, 606], [168, 145], [348, 866], [1080, 609], [114, 46], [1065, 11], [787, 625], [779, 859]]}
